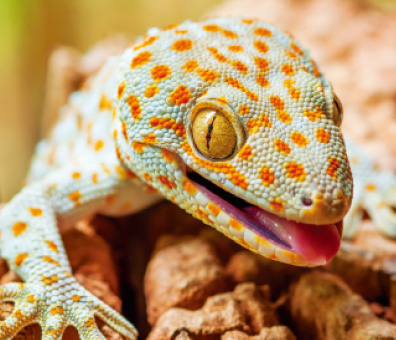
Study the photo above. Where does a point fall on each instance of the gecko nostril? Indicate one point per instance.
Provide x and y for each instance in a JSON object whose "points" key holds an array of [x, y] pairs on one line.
{"points": [[307, 201]]}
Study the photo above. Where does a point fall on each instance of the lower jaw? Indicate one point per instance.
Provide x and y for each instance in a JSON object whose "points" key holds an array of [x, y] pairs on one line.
{"points": [[312, 245]]}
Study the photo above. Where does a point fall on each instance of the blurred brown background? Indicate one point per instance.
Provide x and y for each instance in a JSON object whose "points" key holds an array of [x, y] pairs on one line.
{"points": [[30, 30]]}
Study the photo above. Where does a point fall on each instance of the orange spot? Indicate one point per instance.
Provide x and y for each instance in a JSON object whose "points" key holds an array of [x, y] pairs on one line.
{"points": [[99, 145], [214, 209], [261, 46], [74, 196], [18, 228], [160, 72], [20, 258], [110, 199], [371, 187], [244, 109], [151, 91], [76, 298], [17, 314], [190, 65], [52, 246], [294, 93], [207, 75], [288, 70], [180, 95], [222, 100], [229, 34], [134, 106], [332, 168], [262, 32], [262, 81], [277, 205], [246, 152], [295, 171], [254, 124], [247, 21], [150, 139], [168, 123], [56, 310], [216, 54], [238, 65], [147, 177], [279, 105], [76, 175], [282, 147], [299, 139], [145, 42], [313, 116], [182, 45], [235, 83], [322, 135], [215, 28], [212, 28], [267, 176], [235, 225], [30, 298], [181, 31], [169, 27], [141, 59], [89, 323], [315, 68], [169, 184], [290, 54], [130, 174], [190, 188], [95, 178], [51, 260], [169, 156], [235, 48], [105, 103], [296, 49], [262, 64], [36, 211], [48, 280], [138, 147]]}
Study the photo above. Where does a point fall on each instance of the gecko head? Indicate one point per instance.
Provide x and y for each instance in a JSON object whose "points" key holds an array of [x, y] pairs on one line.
{"points": [[231, 120]]}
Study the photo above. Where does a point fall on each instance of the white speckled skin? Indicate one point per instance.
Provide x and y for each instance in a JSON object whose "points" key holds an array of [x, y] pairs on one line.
{"points": [[126, 136]]}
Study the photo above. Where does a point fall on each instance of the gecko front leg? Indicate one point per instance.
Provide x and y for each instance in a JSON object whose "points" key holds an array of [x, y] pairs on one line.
{"points": [[32, 246]]}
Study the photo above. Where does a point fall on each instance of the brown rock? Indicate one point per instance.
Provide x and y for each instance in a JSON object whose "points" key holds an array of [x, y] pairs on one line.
{"points": [[267, 333], [248, 309], [183, 275], [324, 307], [368, 264], [246, 266]]}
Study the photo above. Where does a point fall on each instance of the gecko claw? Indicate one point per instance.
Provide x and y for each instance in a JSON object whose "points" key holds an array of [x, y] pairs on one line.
{"points": [[54, 309]]}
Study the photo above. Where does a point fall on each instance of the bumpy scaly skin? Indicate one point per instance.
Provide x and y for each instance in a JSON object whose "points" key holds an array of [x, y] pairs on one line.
{"points": [[374, 192], [127, 135]]}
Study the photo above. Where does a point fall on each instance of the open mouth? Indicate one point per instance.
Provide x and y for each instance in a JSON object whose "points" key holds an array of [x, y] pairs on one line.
{"points": [[317, 244]]}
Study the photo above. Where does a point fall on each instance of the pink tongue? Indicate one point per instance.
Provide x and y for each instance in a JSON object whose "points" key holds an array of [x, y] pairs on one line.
{"points": [[317, 244]]}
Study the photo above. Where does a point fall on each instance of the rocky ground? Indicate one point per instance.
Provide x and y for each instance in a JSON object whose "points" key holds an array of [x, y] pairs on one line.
{"points": [[179, 279]]}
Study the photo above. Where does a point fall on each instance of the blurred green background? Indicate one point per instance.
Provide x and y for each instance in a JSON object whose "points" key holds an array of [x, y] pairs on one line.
{"points": [[30, 30]]}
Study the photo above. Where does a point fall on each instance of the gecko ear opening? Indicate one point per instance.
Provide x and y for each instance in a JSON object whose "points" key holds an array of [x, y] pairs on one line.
{"points": [[337, 110]]}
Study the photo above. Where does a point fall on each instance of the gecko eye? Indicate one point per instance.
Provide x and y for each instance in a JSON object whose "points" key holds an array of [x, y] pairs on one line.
{"points": [[337, 110], [213, 134]]}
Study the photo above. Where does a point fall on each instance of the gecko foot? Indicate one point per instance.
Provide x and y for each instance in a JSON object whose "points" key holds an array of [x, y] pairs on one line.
{"points": [[56, 305]]}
